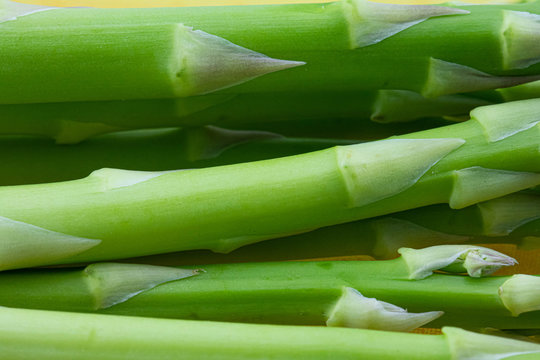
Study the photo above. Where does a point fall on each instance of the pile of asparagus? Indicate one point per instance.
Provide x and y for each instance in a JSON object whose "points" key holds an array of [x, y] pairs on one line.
{"points": [[160, 165]]}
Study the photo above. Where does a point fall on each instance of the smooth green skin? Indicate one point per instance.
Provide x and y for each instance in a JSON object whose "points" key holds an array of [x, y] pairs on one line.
{"points": [[242, 110], [27, 334], [225, 207], [314, 33], [148, 150], [88, 63], [296, 293], [357, 238], [325, 114]]}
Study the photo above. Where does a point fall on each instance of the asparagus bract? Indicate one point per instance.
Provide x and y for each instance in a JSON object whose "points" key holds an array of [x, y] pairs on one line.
{"points": [[65, 336], [301, 293], [226, 207], [436, 46], [178, 61]]}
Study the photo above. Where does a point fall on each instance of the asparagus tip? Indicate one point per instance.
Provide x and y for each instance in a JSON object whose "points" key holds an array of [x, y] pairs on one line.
{"points": [[475, 260], [521, 293]]}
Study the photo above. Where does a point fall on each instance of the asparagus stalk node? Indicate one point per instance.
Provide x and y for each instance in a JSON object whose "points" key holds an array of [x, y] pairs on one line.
{"points": [[114, 283], [179, 61], [21, 252], [208, 208], [518, 34], [357, 311], [301, 293], [360, 35], [371, 22]]}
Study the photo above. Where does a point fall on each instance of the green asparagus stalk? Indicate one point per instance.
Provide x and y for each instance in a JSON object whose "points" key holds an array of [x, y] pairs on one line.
{"points": [[147, 150], [513, 219], [298, 113], [27, 334], [178, 61], [117, 213], [335, 293], [437, 48]]}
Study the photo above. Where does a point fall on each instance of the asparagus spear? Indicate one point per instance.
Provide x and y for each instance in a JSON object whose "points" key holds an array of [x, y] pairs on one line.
{"points": [[72, 122], [27, 334], [147, 150], [297, 293], [513, 219], [365, 38], [114, 213]]}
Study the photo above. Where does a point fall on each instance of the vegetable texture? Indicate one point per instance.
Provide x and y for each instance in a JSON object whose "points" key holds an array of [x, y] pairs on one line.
{"points": [[65, 336], [145, 150], [513, 219], [114, 213], [437, 48], [299, 113], [298, 293]]}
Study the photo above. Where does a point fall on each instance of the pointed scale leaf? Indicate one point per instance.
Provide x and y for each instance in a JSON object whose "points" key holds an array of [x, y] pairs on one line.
{"points": [[178, 61], [504, 120], [520, 37], [372, 22], [476, 184], [353, 310], [467, 345], [404, 105], [110, 179], [503, 215], [209, 142], [446, 78], [26, 245], [11, 10], [113, 283], [209, 63], [393, 166]]}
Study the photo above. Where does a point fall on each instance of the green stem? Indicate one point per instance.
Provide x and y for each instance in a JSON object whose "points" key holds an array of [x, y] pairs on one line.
{"points": [[515, 217], [148, 150], [299, 113], [438, 56], [301, 293], [113, 213], [66, 336]]}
